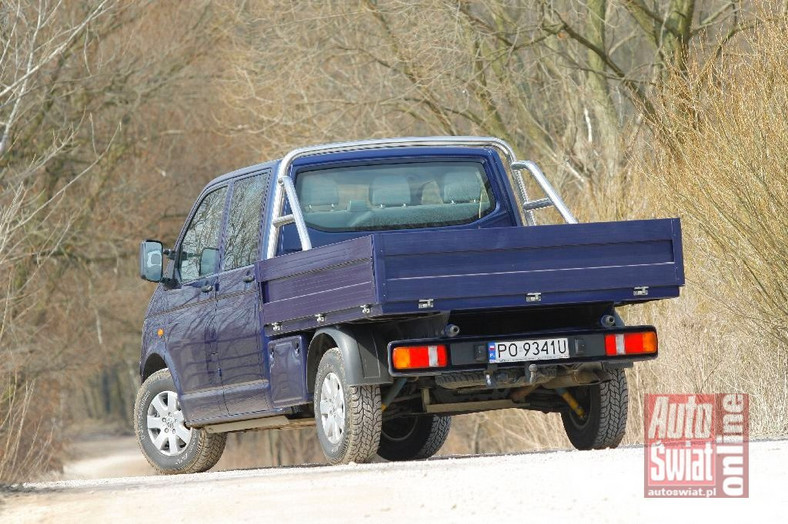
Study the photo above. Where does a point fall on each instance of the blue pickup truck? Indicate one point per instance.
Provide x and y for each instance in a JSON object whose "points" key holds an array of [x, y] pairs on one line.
{"points": [[375, 288]]}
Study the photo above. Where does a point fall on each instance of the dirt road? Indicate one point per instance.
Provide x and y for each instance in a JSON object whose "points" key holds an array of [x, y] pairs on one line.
{"points": [[598, 486]]}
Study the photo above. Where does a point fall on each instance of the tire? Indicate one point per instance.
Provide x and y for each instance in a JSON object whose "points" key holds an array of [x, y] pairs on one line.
{"points": [[348, 418], [167, 443], [413, 438], [605, 419]]}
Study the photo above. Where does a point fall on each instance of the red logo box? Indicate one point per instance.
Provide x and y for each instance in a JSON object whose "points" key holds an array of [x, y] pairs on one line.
{"points": [[696, 445]]}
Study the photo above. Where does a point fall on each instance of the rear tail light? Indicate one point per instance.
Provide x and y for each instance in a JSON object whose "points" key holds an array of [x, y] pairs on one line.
{"points": [[631, 343], [420, 357]]}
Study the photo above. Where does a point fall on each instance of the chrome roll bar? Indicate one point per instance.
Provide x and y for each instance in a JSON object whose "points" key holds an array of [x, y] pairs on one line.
{"points": [[284, 188]]}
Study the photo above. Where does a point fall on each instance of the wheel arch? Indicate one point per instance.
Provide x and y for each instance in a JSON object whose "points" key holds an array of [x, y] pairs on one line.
{"points": [[156, 360], [152, 364], [363, 354]]}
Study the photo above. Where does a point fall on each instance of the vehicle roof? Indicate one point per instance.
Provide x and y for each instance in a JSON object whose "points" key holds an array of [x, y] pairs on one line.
{"points": [[377, 144], [243, 171]]}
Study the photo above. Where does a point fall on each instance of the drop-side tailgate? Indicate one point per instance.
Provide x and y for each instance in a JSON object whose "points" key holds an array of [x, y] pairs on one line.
{"points": [[439, 270]]}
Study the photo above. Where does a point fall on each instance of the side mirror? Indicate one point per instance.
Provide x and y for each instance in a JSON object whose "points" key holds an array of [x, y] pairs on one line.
{"points": [[209, 261], [151, 253]]}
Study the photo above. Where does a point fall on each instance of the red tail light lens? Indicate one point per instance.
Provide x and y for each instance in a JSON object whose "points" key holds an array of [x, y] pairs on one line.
{"points": [[420, 357], [631, 343]]}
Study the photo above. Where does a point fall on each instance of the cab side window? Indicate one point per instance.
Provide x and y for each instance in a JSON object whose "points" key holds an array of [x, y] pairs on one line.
{"points": [[242, 242], [199, 252]]}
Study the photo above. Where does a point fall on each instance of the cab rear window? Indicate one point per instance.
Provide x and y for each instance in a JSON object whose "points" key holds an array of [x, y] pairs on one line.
{"points": [[394, 196]]}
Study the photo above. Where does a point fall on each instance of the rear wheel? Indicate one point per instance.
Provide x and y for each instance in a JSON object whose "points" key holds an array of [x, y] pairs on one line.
{"points": [[605, 421], [348, 418], [413, 438], [169, 445]]}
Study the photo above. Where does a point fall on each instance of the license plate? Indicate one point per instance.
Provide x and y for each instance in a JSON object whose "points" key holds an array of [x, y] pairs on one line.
{"points": [[525, 350]]}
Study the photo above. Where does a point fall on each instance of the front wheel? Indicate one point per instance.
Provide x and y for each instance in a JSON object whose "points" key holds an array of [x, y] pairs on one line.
{"points": [[414, 437], [169, 445], [605, 421], [348, 418]]}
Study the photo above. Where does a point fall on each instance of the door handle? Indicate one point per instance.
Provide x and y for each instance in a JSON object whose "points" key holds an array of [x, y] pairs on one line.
{"points": [[207, 288], [248, 278]]}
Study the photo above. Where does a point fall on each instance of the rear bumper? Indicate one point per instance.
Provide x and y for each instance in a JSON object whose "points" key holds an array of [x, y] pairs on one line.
{"points": [[469, 356]]}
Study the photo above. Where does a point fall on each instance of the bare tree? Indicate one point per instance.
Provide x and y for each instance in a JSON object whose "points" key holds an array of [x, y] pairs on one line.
{"points": [[96, 102], [567, 82]]}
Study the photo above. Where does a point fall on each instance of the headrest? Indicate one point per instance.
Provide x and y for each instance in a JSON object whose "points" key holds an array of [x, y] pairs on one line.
{"points": [[461, 187], [318, 191], [389, 191]]}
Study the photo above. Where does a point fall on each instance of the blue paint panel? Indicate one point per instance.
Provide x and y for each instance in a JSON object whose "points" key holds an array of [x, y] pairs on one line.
{"points": [[473, 269], [241, 354], [544, 281], [678, 248], [190, 337], [509, 301], [561, 235], [288, 371], [329, 300], [315, 259], [332, 318], [532, 260], [327, 279]]}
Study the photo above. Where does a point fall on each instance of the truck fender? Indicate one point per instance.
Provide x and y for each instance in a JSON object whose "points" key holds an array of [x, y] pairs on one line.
{"points": [[156, 359], [363, 353]]}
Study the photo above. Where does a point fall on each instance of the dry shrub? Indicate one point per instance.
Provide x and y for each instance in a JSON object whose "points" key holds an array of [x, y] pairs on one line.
{"points": [[28, 439], [719, 161]]}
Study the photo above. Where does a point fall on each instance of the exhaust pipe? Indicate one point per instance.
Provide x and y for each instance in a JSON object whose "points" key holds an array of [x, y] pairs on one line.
{"points": [[451, 330]]}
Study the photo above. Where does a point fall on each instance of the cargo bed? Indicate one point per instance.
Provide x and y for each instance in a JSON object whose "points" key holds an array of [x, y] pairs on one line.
{"points": [[424, 271]]}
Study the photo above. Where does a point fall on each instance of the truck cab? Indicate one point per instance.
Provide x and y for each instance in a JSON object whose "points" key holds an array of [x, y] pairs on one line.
{"points": [[376, 288]]}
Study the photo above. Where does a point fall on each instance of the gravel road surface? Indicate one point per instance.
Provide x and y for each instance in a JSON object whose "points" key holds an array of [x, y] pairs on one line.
{"points": [[554, 486]]}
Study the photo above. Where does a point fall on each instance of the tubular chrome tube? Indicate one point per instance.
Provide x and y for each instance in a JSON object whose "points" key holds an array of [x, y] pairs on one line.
{"points": [[295, 209], [548, 189], [530, 220]]}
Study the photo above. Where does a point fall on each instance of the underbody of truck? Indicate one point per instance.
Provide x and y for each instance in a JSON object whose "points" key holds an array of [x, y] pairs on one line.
{"points": [[503, 359]]}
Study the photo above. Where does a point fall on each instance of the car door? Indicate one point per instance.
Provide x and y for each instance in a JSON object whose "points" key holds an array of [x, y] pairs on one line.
{"points": [[239, 336], [191, 331]]}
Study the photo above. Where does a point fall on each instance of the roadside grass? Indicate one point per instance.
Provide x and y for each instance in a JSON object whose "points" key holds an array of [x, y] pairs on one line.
{"points": [[720, 162], [27, 443]]}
